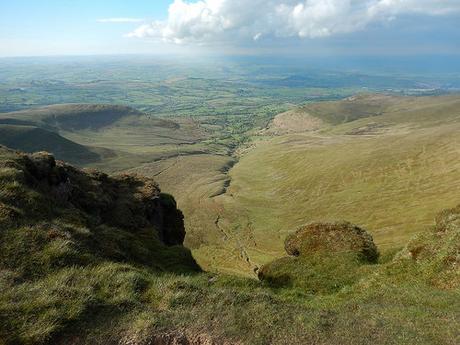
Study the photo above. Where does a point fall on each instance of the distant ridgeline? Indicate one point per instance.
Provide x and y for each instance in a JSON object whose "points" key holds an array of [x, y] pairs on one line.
{"points": [[98, 134], [38, 129], [69, 116]]}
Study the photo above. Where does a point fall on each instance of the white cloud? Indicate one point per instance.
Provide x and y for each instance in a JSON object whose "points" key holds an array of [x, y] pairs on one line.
{"points": [[208, 21], [120, 20]]}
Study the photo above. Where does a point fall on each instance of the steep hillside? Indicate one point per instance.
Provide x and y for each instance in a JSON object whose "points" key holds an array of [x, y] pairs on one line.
{"points": [[70, 117], [322, 115], [390, 170], [370, 111], [56, 219], [91, 120], [350, 109], [44, 129], [91, 258], [32, 139], [294, 121], [81, 208], [110, 137]]}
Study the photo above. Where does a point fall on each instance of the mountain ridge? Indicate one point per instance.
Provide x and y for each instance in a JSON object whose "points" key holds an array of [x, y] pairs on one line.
{"points": [[71, 116]]}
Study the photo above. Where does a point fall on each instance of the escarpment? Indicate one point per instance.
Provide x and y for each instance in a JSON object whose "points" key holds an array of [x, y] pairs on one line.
{"points": [[85, 216]]}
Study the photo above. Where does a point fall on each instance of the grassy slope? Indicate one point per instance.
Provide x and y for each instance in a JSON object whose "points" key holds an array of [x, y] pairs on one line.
{"points": [[32, 139], [71, 116], [366, 180], [57, 222], [350, 109], [44, 129], [196, 179], [71, 272], [143, 139], [398, 169], [124, 136], [138, 133]]}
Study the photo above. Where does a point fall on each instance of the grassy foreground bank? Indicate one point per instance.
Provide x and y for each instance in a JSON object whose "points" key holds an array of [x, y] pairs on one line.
{"points": [[72, 272]]}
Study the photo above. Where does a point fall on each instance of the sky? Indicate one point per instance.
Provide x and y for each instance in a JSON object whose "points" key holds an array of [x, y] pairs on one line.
{"points": [[185, 27]]}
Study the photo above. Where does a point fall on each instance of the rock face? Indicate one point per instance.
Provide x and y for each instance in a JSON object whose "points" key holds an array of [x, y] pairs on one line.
{"points": [[332, 238], [87, 215], [126, 201]]}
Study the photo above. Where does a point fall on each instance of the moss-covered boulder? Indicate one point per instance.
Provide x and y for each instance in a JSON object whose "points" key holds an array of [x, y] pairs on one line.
{"points": [[324, 258], [340, 237]]}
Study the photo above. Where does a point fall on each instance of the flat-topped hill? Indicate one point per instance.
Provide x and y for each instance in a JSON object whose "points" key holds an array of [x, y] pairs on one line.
{"points": [[31, 139], [373, 111], [70, 116], [109, 136]]}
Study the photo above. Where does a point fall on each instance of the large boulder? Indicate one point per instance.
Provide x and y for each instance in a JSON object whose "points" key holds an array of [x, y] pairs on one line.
{"points": [[332, 238], [42, 164], [324, 258]]}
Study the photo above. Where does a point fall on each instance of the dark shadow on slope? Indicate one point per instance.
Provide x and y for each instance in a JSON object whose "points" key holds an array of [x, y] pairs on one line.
{"points": [[32, 139]]}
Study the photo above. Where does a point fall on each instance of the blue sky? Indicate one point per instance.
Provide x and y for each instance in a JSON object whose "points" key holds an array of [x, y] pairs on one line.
{"points": [[62, 27], [295, 27]]}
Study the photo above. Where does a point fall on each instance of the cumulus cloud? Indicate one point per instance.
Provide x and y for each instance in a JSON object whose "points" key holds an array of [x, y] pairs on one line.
{"points": [[207, 21], [119, 20]]}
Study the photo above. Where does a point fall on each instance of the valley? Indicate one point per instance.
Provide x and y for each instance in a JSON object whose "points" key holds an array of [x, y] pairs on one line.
{"points": [[387, 162], [227, 205], [392, 181], [230, 172]]}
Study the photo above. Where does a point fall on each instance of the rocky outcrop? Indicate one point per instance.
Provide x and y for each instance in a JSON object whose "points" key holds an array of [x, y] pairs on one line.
{"points": [[89, 216], [126, 201], [324, 258], [434, 255], [332, 238]]}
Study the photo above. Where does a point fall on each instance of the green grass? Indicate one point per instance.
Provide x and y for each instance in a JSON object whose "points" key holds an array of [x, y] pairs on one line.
{"points": [[392, 182], [94, 273], [400, 148], [109, 137], [33, 139], [351, 109], [95, 270], [70, 116], [111, 302]]}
